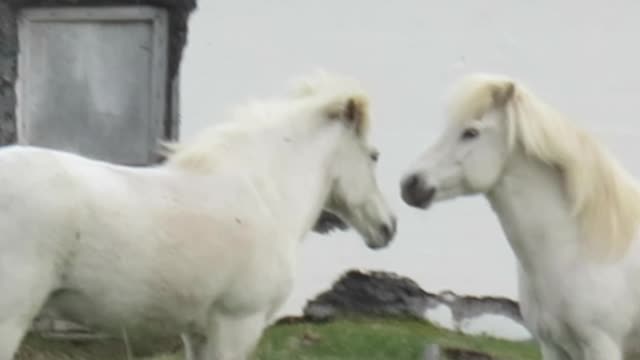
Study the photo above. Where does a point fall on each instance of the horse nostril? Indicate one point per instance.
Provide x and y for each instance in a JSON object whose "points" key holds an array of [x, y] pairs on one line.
{"points": [[389, 230], [411, 183], [385, 230], [410, 187], [416, 192]]}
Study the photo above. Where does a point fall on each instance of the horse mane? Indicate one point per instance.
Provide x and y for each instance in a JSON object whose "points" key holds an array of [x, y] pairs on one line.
{"points": [[604, 197], [212, 145], [321, 82]]}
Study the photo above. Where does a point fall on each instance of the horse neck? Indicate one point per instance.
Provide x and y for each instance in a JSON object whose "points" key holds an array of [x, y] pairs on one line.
{"points": [[292, 177], [536, 215]]}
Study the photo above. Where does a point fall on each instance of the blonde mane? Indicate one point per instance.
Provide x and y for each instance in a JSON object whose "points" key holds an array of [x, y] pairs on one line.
{"points": [[605, 198], [213, 145], [324, 83]]}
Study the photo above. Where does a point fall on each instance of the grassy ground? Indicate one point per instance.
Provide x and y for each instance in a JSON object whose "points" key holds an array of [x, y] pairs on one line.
{"points": [[356, 339]]}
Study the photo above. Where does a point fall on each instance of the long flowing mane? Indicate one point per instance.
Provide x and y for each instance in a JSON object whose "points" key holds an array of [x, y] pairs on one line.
{"points": [[605, 198], [213, 145]]}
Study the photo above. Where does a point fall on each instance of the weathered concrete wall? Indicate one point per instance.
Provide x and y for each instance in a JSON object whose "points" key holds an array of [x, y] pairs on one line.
{"points": [[179, 11]]}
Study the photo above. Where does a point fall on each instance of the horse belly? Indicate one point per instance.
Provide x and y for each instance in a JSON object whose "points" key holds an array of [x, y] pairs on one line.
{"points": [[103, 291], [112, 313], [116, 281]]}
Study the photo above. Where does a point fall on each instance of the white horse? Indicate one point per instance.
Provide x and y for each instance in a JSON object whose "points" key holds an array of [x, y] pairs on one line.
{"points": [[204, 244], [568, 210]]}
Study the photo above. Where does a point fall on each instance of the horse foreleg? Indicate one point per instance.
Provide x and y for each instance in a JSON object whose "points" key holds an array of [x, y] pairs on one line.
{"points": [[127, 344], [23, 292], [601, 347], [189, 346], [12, 331], [232, 337], [553, 352]]}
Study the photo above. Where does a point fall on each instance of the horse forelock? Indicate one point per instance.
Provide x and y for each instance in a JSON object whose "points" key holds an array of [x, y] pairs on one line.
{"points": [[335, 87], [473, 96]]}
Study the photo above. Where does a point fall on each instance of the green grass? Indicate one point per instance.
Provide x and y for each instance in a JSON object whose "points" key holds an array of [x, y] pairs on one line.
{"points": [[346, 339]]}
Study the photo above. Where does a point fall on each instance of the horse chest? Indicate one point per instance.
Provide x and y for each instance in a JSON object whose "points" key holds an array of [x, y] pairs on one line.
{"points": [[264, 283], [545, 308], [563, 310]]}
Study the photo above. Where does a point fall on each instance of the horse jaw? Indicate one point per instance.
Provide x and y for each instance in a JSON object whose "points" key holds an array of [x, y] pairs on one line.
{"points": [[328, 222]]}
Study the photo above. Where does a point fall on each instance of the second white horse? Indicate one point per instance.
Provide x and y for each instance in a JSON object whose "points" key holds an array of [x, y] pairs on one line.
{"points": [[569, 210]]}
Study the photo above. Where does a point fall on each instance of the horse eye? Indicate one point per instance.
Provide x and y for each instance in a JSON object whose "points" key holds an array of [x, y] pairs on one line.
{"points": [[374, 156], [469, 133]]}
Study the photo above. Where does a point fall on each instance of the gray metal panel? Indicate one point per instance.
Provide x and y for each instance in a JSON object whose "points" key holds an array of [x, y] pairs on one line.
{"points": [[93, 81]]}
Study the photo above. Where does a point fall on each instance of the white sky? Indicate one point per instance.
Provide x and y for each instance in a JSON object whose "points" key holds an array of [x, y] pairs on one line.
{"points": [[581, 56]]}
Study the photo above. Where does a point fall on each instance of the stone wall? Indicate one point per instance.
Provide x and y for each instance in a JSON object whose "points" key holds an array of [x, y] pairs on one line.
{"points": [[8, 60]]}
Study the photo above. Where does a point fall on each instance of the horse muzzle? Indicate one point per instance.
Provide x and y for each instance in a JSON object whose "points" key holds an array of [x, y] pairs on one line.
{"points": [[416, 192], [386, 233]]}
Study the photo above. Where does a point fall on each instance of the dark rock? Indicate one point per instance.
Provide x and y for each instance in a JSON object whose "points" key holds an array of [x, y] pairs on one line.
{"points": [[370, 293], [465, 307], [381, 293], [291, 320]]}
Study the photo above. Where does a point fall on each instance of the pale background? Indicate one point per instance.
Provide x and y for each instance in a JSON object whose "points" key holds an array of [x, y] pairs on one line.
{"points": [[581, 56]]}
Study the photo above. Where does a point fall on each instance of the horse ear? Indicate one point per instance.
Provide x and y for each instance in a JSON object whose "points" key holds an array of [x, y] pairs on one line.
{"points": [[503, 93], [353, 111]]}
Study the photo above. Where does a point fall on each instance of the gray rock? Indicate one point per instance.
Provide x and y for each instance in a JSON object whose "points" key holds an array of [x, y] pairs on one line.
{"points": [[370, 293], [467, 307], [379, 293]]}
